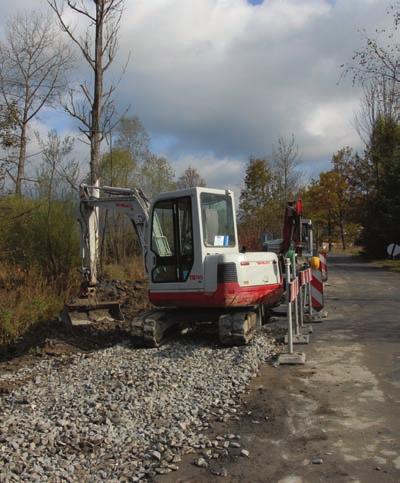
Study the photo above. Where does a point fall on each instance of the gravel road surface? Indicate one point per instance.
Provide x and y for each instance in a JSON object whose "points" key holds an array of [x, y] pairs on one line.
{"points": [[122, 414]]}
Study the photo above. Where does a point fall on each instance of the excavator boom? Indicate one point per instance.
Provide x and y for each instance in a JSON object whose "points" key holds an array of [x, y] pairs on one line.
{"points": [[89, 306]]}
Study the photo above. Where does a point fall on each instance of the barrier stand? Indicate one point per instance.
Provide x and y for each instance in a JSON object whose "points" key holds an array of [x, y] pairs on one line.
{"points": [[298, 337], [290, 357]]}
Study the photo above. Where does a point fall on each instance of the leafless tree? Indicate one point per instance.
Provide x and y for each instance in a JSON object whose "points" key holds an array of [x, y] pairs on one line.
{"points": [[33, 66], [379, 58], [132, 136], [285, 162], [59, 175], [380, 99], [93, 107], [190, 178]]}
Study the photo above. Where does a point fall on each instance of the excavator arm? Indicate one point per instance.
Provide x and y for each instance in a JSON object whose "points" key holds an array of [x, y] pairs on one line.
{"points": [[90, 306], [297, 231], [296, 234], [292, 226], [130, 202]]}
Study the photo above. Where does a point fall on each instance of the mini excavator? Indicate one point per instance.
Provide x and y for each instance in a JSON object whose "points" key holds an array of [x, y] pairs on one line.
{"points": [[297, 233], [191, 256]]}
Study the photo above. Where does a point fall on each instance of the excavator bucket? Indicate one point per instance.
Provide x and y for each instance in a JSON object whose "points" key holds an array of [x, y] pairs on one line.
{"points": [[85, 311]]}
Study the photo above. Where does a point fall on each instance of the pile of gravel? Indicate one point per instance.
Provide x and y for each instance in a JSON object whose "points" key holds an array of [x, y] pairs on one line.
{"points": [[122, 414]]}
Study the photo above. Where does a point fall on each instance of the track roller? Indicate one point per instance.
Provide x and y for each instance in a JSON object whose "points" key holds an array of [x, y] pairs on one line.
{"points": [[151, 327], [237, 328]]}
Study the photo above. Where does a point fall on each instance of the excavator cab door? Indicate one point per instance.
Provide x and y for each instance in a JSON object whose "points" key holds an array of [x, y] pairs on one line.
{"points": [[171, 241]]}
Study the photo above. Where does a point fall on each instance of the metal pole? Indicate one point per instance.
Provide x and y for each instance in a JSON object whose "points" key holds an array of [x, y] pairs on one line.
{"points": [[296, 305], [289, 306]]}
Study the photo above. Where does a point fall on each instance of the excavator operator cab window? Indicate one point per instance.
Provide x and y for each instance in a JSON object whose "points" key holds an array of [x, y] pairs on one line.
{"points": [[306, 237], [172, 240], [218, 220]]}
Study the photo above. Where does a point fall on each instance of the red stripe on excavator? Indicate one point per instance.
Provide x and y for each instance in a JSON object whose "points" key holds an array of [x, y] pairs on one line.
{"points": [[263, 262], [228, 294]]}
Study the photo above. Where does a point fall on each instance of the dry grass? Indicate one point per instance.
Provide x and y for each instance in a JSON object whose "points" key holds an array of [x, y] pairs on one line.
{"points": [[26, 298], [392, 265], [132, 269]]}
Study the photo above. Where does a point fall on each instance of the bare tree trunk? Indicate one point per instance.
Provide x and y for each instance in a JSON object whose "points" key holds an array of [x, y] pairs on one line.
{"points": [[21, 160], [329, 235], [95, 138], [341, 228], [97, 120]]}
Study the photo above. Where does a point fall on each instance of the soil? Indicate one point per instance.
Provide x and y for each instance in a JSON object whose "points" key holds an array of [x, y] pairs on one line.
{"points": [[54, 338]]}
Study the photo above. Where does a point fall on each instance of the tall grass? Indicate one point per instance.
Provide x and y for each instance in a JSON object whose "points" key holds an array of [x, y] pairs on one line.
{"points": [[131, 269], [39, 250], [26, 297]]}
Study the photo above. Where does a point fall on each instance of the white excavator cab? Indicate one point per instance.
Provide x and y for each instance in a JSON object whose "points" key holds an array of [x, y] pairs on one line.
{"points": [[185, 227], [192, 254]]}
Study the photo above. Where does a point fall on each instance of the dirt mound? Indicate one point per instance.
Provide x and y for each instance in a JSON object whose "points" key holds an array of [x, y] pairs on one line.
{"points": [[55, 338], [132, 293]]}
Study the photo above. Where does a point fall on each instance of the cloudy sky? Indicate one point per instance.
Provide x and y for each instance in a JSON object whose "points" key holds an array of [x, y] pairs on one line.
{"points": [[215, 81]]}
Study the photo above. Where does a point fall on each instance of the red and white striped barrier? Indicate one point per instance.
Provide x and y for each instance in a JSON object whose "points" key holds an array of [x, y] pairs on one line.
{"points": [[317, 290], [305, 276], [294, 289], [324, 265]]}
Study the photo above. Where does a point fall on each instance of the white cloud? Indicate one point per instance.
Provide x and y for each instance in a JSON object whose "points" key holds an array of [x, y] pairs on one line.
{"points": [[222, 79], [227, 77]]}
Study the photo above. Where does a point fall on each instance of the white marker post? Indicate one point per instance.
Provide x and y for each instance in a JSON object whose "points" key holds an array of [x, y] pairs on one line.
{"points": [[289, 306], [296, 305]]}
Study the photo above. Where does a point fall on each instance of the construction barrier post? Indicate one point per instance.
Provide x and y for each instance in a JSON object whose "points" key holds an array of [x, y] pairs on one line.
{"points": [[305, 275], [296, 305], [324, 265], [301, 306], [315, 297], [290, 357], [289, 306]]}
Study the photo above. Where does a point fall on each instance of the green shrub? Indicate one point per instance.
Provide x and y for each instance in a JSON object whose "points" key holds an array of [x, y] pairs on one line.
{"points": [[39, 254], [36, 234]]}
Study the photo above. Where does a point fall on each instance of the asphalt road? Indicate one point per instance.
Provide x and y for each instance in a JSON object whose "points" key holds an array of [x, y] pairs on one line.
{"points": [[337, 418]]}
